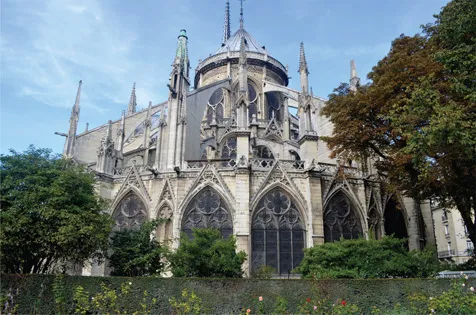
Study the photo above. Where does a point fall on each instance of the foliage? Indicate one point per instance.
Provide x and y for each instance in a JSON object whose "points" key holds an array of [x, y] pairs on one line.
{"points": [[50, 213], [33, 294], [190, 303], [459, 299], [264, 272], [136, 253], [207, 254], [111, 301], [360, 258], [417, 117]]}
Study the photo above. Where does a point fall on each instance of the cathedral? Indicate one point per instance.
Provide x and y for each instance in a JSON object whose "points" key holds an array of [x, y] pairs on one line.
{"points": [[234, 148]]}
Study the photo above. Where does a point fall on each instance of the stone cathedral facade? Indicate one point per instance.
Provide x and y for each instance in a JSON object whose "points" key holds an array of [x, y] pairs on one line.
{"points": [[226, 150]]}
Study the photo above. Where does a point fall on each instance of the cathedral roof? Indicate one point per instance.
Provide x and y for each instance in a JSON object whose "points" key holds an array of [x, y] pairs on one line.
{"points": [[233, 43]]}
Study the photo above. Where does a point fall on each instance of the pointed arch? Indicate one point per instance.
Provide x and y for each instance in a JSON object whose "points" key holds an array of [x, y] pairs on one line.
{"points": [[207, 209], [395, 218], [278, 231], [130, 212], [341, 218], [164, 231]]}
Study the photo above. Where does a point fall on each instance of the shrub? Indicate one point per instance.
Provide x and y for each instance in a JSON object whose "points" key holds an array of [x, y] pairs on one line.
{"points": [[360, 258], [207, 254]]}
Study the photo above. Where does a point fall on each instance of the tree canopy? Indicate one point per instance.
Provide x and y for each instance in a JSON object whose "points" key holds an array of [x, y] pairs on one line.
{"points": [[207, 254], [135, 253], [50, 214], [417, 116]]}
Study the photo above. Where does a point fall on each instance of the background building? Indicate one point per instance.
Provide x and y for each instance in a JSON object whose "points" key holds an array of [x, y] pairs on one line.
{"points": [[241, 152]]}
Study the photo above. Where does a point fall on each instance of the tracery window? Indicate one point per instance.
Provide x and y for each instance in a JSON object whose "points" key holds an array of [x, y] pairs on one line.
{"points": [[130, 213], [277, 233], [273, 105], [263, 152], [207, 210], [253, 99], [228, 150], [340, 219], [216, 104], [164, 229]]}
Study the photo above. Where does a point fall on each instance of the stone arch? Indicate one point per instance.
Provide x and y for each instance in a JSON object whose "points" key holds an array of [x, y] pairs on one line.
{"points": [[262, 151], [130, 212], [278, 231], [395, 218], [228, 147], [208, 208], [342, 218], [164, 231]]}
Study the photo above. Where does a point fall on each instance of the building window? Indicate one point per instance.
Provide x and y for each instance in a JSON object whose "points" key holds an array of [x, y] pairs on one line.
{"points": [[130, 213], [207, 210], [216, 104], [340, 219], [469, 248], [277, 233], [447, 232]]}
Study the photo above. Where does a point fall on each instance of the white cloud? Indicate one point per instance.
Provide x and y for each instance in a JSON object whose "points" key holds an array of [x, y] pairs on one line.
{"points": [[47, 48]]}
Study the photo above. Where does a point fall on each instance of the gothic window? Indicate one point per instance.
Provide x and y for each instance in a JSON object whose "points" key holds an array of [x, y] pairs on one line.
{"points": [[228, 150], [253, 99], [164, 229], [277, 233], [215, 105], [263, 152], [340, 219], [155, 120], [207, 210], [273, 105], [130, 213]]}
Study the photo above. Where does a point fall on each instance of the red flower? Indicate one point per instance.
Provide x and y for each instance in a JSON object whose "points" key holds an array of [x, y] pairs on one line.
{"points": [[308, 300], [343, 302]]}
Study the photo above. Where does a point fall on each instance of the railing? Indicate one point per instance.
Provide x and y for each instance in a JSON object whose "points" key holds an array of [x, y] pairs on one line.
{"points": [[218, 163], [123, 171], [453, 253], [446, 254], [293, 164], [262, 163], [259, 163]]}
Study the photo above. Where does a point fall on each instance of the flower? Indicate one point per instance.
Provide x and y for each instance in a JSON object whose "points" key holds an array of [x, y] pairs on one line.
{"points": [[343, 302], [466, 277], [315, 308], [432, 310], [471, 289], [308, 300], [248, 311], [431, 298], [130, 283], [260, 298], [463, 285]]}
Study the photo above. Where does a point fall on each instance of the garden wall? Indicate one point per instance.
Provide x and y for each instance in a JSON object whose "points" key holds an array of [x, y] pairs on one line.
{"points": [[33, 294]]}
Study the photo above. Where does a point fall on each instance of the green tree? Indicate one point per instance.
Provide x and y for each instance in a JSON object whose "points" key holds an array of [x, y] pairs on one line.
{"points": [[207, 254], [417, 117], [362, 258], [50, 213], [136, 253]]}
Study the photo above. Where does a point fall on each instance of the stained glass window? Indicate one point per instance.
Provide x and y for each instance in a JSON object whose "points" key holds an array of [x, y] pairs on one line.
{"points": [[215, 104], [228, 150], [130, 213], [277, 233], [207, 210], [340, 219], [273, 105]]}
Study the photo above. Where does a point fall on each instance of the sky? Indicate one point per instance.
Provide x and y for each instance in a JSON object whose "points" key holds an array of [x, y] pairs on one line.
{"points": [[47, 46]]}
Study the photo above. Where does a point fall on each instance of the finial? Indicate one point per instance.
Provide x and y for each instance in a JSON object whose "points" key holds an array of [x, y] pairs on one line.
{"points": [[131, 108], [241, 15], [302, 59], [242, 51], [78, 94], [353, 71], [87, 127], [226, 28], [109, 130]]}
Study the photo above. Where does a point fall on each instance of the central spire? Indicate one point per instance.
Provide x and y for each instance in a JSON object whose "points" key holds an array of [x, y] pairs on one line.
{"points": [[241, 15]]}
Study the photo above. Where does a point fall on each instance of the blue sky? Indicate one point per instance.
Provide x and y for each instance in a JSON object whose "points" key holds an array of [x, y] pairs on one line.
{"points": [[47, 46]]}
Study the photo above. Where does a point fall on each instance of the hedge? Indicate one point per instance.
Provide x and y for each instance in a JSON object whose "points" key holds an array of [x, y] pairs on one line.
{"points": [[34, 293]]}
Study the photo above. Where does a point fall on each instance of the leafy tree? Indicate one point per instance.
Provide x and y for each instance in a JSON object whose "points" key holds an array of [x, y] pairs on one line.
{"points": [[207, 254], [417, 117], [135, 253], [360, 258], [50, 213]]}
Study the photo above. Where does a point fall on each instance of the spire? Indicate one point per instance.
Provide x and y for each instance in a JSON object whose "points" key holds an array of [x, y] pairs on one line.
{"points": [[226, 27], [109, 130], [303, 70], [131, 108], [78, 96], [73, 124], [354, 81], [242, 63], [302, 60], [181, 55], [241, 15]]}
